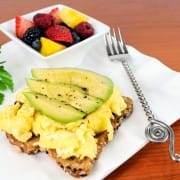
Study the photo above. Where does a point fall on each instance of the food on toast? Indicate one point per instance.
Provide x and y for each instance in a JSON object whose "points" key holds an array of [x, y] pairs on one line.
{"points": [[40, 120]]}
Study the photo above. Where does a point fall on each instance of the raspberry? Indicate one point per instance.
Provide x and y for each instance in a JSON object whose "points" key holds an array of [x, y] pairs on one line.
{"points": [[84, 30], [43, 20], [59, 33]]}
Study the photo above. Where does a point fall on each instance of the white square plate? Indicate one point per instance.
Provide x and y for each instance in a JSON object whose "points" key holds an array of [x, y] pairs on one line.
{"points": [[8, 28], [129, 139]]}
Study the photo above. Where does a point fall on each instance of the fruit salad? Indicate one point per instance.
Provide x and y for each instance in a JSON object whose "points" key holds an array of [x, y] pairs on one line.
{"points": [[52, 32]]}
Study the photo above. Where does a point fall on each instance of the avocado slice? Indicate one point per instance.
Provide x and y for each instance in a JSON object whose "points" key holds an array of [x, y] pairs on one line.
{"points": [[95, 84], [54, 109], [70, 94]]}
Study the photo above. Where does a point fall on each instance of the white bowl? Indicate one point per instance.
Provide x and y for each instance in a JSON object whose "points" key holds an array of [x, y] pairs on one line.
{"points": [[70, 56]]}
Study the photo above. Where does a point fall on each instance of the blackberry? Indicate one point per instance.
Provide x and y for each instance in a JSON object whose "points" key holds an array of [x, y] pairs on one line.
{"points": [[31, 35]]}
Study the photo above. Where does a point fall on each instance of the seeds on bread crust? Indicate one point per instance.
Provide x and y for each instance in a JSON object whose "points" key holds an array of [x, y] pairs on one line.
{"points": [[28, 147]]}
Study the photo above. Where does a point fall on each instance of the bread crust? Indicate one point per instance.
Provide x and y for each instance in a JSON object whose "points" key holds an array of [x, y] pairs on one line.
{"points": [[28, 147], [73, 165]]}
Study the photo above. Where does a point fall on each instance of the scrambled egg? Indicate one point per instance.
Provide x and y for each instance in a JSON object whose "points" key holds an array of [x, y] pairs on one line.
{"points": [[72, 139], [17, 120]]}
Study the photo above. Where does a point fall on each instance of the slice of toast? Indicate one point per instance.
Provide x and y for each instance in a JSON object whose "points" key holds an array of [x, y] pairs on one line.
{"points": [[73, 165]]}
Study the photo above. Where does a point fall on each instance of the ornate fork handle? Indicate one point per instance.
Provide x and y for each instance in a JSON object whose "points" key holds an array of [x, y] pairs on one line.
{"points": [[156, 131]]}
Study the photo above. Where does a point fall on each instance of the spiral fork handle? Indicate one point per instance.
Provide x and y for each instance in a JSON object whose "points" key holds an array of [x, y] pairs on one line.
{"points": [[159, 132]]}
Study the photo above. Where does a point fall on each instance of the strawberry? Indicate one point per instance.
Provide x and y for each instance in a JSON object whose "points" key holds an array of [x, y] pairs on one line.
{"points": [[22, 25], [55, 13], [59, 33]]}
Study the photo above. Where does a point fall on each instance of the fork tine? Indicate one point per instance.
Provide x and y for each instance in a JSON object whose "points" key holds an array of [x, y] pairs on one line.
{"points": [[113, 44], [115, 41], [122, 41], [108, 49], [119, 49]]}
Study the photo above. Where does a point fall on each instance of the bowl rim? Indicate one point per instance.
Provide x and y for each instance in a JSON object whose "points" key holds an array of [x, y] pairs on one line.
{"points": [[36, 53]]}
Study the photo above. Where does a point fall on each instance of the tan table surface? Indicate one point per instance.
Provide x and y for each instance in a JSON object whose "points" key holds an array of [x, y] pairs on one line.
{"points": [[153, 27]]}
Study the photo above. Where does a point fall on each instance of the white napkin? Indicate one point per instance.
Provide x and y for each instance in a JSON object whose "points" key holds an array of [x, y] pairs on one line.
{"points": [[160, 84]]}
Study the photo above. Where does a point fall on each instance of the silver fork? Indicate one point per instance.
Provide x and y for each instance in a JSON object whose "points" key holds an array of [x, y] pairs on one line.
{"points": [[156, 131]]}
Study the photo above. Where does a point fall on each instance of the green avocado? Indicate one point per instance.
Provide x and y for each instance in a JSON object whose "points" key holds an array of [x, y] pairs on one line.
{"points": [[54, 109], [70, 94], [94, 84]]}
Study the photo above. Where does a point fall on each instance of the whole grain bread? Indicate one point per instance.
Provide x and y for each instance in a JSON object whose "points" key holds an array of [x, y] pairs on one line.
{"points": [[73, 165]]}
